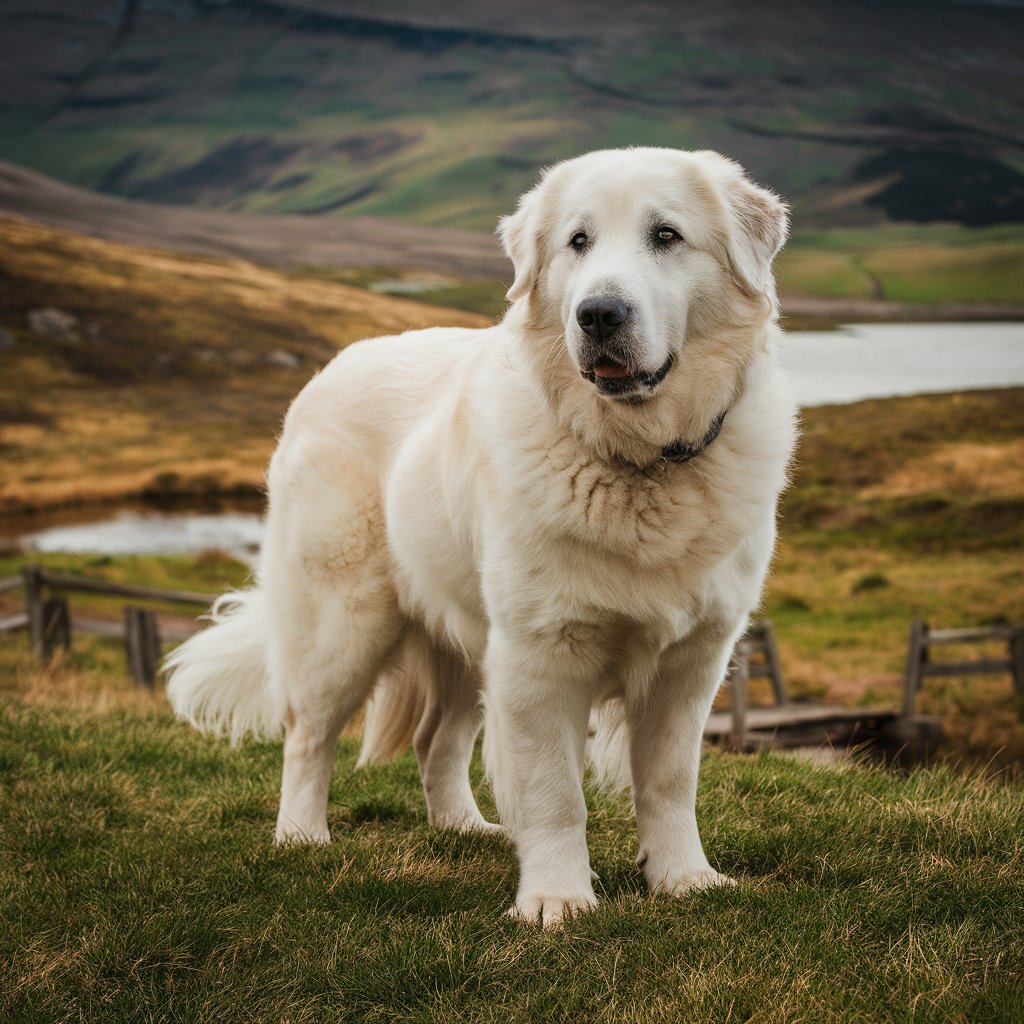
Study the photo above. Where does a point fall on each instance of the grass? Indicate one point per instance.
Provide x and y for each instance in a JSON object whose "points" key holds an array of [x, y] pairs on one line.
{"points": [[903, 509], [900, 509], [142, 885]]}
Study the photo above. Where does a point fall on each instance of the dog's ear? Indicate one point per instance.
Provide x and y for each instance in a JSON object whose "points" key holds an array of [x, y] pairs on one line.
{"points": [[520, 238], [758, 227]]}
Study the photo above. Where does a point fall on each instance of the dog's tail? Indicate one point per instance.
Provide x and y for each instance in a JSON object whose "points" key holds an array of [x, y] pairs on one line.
{"points": [[395, 707], [608, 746], [219, 680]]}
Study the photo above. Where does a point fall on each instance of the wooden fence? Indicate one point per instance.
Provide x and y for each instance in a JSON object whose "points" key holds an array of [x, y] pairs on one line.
{"points": [[48, 617], [50, 623], [756, 657], [920, 664]]}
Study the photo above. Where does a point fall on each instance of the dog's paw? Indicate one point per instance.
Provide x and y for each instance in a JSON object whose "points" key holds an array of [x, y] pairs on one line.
{"points": [[692, 881], [467, 823], [297, 838], [488, 828], [550, 911], [478, 825]]}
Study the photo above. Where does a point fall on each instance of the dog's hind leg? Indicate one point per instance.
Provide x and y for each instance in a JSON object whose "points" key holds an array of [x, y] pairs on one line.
{"points": [[333, 666], [335, 618], [445, 737]]}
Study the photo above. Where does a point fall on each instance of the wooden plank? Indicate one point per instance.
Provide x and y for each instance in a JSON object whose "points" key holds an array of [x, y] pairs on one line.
{"points": [[759, 643], [142, 644], [973, 635], [68, 581], [172, 632], [19, 620], [771, 653], [31, 576], [793, 716], [176, 632], [738, 712], [917, 653], [97, 627], [56, 626], [981, 666], [11, 583], [1017, 655]]}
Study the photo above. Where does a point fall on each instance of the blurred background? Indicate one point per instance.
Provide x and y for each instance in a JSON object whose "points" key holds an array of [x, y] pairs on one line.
{"points": [[202, 200], [894, 128]]}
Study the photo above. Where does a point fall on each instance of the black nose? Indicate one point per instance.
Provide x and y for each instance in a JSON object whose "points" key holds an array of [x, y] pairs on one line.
{"points": [[601, 316]]}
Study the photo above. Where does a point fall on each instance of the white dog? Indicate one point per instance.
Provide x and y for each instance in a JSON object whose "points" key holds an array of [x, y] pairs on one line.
{"points": [[573, 507]]}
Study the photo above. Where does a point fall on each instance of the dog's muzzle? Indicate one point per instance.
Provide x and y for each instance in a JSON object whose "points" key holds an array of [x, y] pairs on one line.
{"points": [[617, 381]]}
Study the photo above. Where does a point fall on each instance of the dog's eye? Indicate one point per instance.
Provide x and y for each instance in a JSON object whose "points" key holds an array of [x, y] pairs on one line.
{"points": [[579, 241], [665, 235]]}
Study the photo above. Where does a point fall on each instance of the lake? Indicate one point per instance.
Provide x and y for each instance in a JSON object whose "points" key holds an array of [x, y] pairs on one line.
{"points": [[149, 531], [883, 360], [827, 367]]}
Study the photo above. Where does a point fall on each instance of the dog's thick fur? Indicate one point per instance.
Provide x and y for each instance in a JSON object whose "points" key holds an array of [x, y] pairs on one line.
{"points": [[467, 519]]}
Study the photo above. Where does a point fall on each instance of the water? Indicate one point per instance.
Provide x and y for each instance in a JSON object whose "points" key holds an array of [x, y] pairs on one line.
{"points": [[137, 530], [152, 532], [827, 367], [883, 360]]}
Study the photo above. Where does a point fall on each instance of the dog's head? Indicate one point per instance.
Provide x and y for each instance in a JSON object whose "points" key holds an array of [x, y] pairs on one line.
{"points": [[632, 256]]}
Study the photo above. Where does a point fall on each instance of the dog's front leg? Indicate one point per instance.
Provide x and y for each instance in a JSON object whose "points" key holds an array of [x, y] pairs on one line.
{"points": [[666, 729], [537, 713]]}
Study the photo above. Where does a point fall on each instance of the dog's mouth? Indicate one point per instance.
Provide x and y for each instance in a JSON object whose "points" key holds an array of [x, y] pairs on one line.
{"points": [[618, 380]]}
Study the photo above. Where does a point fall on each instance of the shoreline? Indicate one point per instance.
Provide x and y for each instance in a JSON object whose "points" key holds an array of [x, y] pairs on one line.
{"points": [[815, 313], [243, 484]]}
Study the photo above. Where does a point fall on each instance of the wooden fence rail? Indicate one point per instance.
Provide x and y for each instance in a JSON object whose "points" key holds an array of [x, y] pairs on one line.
{"points": [[920, 665], [50, 622]]}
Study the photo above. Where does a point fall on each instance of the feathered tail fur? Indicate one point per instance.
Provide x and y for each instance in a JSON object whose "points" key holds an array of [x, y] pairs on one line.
{"points": [[219, 679]]}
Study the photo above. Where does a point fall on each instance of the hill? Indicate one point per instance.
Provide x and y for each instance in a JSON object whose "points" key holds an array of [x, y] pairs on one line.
{"points": [[859, 112], [912, 272], [127, 371], [282, 240]]}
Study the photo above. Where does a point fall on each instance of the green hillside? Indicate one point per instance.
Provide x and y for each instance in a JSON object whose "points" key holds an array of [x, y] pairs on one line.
{"points": [[443, 113]]}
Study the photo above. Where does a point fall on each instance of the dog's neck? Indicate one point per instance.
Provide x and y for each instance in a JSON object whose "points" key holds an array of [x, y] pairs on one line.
{"points": [[684, 451]]}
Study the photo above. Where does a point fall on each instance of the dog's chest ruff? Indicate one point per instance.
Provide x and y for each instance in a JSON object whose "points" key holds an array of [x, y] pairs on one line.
{"points": [[649, 515]]}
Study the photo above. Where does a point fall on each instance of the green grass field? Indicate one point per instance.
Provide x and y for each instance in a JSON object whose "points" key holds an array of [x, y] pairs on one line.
{"points": [[140, 884], [925, 264]]}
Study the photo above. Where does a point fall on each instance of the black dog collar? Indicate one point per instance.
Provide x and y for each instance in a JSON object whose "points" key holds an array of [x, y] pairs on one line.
{"points": [[683, 451]]}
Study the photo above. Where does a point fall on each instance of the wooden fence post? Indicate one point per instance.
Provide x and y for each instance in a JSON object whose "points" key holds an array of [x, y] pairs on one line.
{"points": [[738, 682], [916, 654], [33, 577], [142, 644], [1017, 658], [56, 626], [771, 653]]}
